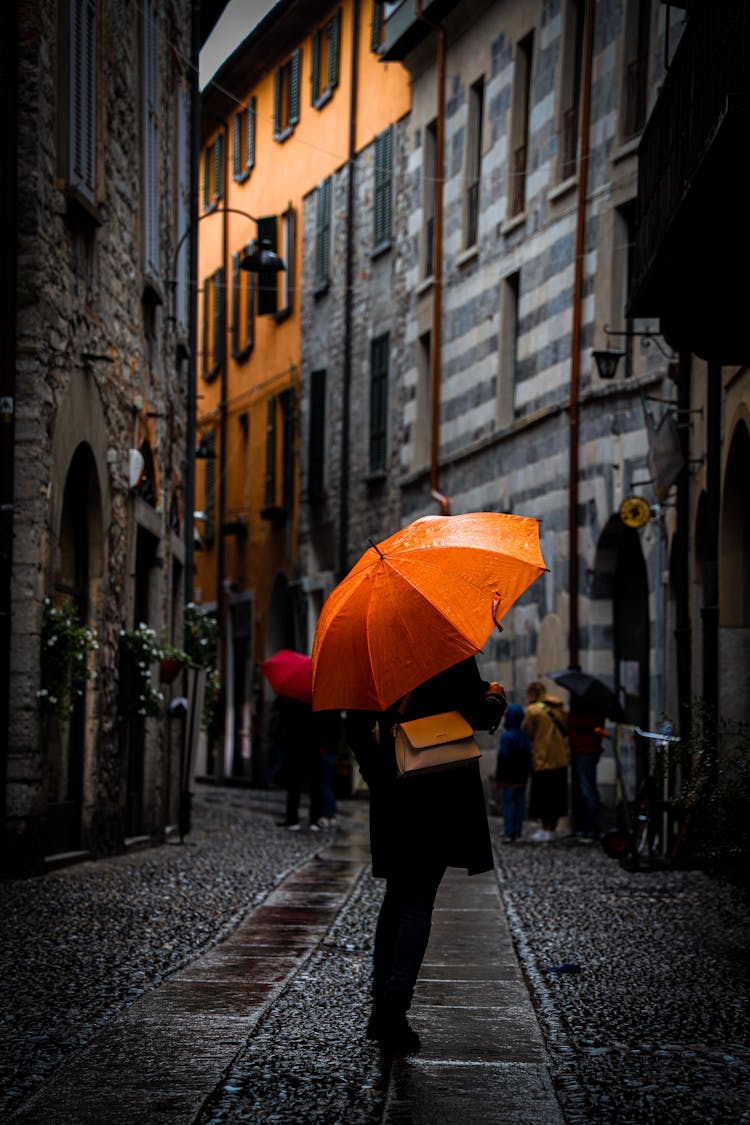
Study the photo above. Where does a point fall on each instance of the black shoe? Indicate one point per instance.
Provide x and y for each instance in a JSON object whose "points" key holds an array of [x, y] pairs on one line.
{"points": [[389, 1026]]}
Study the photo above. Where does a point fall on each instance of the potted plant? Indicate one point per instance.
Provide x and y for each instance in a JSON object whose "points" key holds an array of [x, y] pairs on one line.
{"points": [[171, 662]]}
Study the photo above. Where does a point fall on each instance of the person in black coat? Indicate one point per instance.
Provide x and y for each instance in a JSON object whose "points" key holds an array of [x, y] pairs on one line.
{"points": [[419, 826]]}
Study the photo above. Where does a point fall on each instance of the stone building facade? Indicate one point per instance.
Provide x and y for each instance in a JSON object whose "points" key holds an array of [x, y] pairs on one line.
{"points": [[94, 426]]}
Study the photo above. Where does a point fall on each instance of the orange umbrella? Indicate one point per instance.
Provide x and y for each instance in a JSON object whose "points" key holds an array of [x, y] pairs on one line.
{"points": [[419, 602]]}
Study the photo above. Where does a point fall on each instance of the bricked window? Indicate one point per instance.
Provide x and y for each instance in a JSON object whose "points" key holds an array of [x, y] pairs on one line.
{"points": [[150, 139], [635, 66], [473, 162], [429, 174], [243, 142], [286, 277], [519, 156], [421, 425], [213, 171], [570, 87], [317, 437], [79, 94], [243, 323], [268, 283], [326, 50], [213, 324], [383, 190], [286, 97], [379, 352], [323, 234]]}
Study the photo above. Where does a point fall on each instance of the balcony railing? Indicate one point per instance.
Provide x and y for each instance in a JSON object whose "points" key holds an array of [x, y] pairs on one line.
{"points": [[711, 65]]}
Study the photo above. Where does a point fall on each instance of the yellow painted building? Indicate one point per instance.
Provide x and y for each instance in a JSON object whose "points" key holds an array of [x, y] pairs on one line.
{"points": [[299, 98]]}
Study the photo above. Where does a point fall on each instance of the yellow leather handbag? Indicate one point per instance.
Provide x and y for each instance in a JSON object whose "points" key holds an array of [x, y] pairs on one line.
{"points": [[436, 742]]}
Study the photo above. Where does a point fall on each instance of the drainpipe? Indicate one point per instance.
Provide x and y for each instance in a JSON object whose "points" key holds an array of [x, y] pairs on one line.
{"points": [[347, 372], [710, 608], [683, 633], [221, 609], [8, 274], [575, 335], [437, 267]]}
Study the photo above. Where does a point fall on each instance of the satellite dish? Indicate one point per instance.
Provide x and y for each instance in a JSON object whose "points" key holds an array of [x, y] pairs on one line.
{"points": [[136, 467]]}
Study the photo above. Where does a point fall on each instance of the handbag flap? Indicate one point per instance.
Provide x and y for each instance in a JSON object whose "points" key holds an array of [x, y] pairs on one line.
{"points": [[433, 730]]}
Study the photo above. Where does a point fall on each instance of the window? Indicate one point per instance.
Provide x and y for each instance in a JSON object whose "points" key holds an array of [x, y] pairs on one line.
{"points": [[286, 97], [182, 193], [243, 325], [150, 141], [323, 234], [421, 427], [429, 172], [267, 283], [508, 347], [243, 141], [383, 189], [213, 324], [326, 48], [79, 141], [635, 68], [571, 87], [520, 125], [623, 254], [213, 171], [379, 350], [473, 163], [287, 256], [317, 438], [278, 508]]}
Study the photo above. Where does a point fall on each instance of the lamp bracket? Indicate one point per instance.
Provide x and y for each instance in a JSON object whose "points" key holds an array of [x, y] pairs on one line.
{"points": [[646, 338]]}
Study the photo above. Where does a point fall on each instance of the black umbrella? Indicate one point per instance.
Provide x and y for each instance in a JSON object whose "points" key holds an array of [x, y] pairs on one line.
{"points": [[591, 691]]}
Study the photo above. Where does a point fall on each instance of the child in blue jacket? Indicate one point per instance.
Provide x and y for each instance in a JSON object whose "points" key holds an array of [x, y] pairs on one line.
{"points": [[512, 772]]}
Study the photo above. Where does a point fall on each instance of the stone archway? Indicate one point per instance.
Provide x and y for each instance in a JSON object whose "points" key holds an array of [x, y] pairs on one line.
{"points": [[620, 581], [734, 581]]}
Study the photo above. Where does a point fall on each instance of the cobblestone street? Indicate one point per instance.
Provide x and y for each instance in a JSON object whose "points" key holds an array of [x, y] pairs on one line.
{"points": [[647, 1024]]}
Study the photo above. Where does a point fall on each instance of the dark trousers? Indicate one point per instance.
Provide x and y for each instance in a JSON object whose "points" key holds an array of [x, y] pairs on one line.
{"points": [[403, 929], [585, 797]]}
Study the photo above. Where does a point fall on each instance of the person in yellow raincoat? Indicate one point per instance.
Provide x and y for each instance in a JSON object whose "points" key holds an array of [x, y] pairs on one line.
{"points": [[545, 723]]}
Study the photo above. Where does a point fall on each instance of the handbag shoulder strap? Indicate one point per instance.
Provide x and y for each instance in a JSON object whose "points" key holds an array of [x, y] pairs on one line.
{"points": [[404, 704], [555, 720]]}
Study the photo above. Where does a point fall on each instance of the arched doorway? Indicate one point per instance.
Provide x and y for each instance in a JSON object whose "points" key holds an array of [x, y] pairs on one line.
{"points": [[734, 581], [79, 543], [620, 578]]}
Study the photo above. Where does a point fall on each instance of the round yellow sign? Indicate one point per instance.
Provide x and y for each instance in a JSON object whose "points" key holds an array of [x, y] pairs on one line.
{"points": [[635, 511]]}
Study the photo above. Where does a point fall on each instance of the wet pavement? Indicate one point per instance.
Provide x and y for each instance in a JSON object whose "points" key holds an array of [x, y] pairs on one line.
{"points": [[227, 981]]}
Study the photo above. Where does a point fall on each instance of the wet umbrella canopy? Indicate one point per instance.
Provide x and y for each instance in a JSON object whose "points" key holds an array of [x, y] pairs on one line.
{"points": [[289, 674], [592, 692], [419, 602]]}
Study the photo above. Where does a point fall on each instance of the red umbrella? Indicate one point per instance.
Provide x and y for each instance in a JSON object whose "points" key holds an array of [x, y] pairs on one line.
{"points": [[289, 674]]}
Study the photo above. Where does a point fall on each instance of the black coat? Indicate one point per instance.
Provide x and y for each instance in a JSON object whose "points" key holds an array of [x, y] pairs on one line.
{"points": [[436, 818]]}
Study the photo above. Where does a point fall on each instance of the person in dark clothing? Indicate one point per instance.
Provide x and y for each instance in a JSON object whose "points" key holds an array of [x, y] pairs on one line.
{"points": [[292, 729], [585, 733], [512, 772], [419, 826]]}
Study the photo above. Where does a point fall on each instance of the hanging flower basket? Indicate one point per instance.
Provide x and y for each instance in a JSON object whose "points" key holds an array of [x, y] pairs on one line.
{"points": [[169, 669]]}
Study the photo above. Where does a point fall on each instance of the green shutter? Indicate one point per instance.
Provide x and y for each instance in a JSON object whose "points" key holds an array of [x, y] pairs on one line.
{"points": [[378, 402], [249, 310], [323, 232], [315, 77], [383, 190], [334, 49], [277, 102], [219, 318], [251, 133], [316, 446], [294, 76], [206, 291], [206, 176], [235, 304], [218, 165], [237, 145], [376, 30]]}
